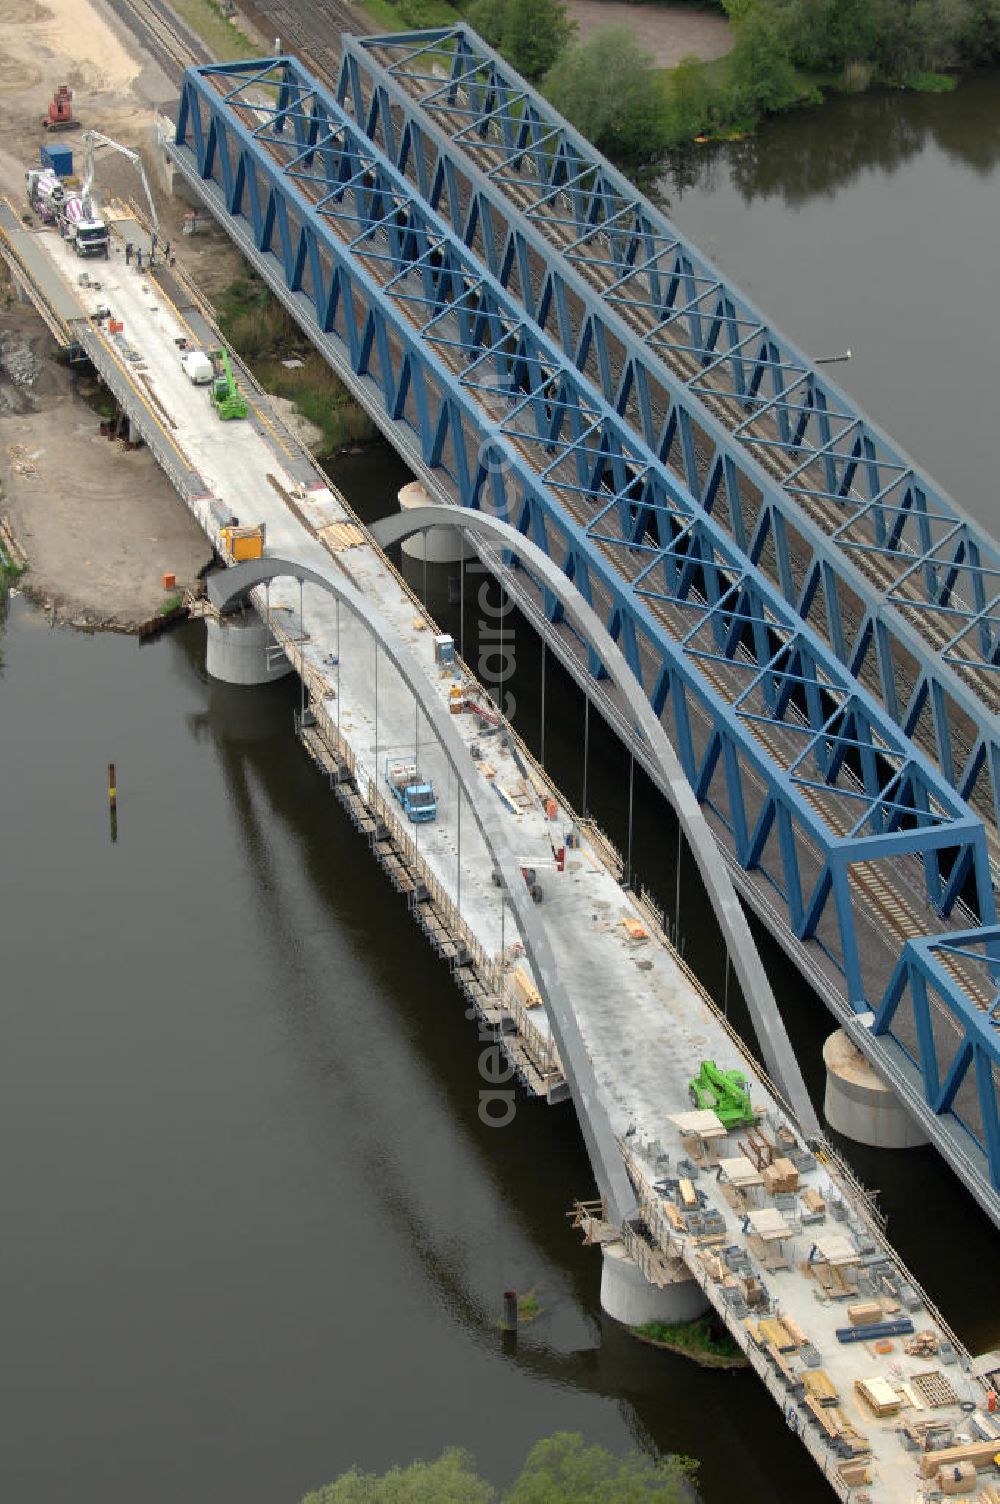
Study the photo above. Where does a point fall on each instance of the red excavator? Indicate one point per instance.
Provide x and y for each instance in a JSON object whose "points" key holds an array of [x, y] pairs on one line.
{"points": [[60, 115]]}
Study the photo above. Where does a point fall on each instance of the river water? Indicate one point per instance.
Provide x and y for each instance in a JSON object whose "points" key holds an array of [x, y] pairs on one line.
{"points": [[254, 1231]]}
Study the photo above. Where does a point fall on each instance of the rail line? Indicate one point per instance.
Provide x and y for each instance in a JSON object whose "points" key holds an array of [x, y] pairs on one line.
{"points": [[171, 41], [550, 215]]}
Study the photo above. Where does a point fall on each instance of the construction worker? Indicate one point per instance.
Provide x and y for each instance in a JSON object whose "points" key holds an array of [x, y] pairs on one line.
{"points": [[128, 253], [138, 258]]}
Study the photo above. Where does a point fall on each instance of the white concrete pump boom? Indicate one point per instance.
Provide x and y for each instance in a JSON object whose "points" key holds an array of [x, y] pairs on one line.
{"points": [[93, 139]]}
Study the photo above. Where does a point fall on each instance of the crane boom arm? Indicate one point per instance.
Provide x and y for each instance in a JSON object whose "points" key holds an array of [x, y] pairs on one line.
{"points": [[93, 139]]}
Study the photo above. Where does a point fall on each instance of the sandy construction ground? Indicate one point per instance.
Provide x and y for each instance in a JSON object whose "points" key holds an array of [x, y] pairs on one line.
{"points": [[666, 33], [101, 524]]}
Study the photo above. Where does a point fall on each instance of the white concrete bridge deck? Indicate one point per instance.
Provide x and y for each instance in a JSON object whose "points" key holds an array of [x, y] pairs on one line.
{"points": [[644, 1022]]}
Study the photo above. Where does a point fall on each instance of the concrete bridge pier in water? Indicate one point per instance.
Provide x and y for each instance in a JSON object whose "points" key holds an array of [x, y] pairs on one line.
{"points": [[861, 1104], [241, 649]]}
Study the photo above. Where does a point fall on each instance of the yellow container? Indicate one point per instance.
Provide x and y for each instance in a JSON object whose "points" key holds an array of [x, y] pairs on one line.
{"points": [[247, 548], [243, 543]]}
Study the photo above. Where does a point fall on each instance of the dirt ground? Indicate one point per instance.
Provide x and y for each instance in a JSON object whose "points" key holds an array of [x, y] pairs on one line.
{"points": [[666, 33], [101, 524]]}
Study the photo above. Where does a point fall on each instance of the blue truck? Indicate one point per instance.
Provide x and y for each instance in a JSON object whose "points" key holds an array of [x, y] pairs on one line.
{"points": [[414, 793]]}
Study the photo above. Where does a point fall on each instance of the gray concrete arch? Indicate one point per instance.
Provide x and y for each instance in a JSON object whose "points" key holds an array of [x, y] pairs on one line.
{"points": [[779, 1057], [231, 585]]}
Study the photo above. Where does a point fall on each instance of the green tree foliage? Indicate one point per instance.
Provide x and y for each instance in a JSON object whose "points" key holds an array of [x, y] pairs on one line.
{"points": [[826, 35], [894, 39], [530, 33], [607, 87], [761, 72], [562, 1470], [981, 42], [486, 17], [449, 1480], [694, 105], [559, 1470]]}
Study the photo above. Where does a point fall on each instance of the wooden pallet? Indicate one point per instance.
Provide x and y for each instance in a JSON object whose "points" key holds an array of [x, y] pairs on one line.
{"points": [[340, 536], [935, 1389]]}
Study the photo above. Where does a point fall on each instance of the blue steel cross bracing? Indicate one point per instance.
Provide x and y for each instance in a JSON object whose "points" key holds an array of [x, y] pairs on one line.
{"points": [[812, 782], [903, 587]]}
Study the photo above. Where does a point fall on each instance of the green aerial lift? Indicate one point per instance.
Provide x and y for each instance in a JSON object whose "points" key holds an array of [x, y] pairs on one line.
{"points": [[726, 1093], [225, 395]]}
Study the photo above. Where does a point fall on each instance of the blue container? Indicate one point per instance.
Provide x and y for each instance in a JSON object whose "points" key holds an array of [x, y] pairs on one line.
{"points": [[59, 158]]}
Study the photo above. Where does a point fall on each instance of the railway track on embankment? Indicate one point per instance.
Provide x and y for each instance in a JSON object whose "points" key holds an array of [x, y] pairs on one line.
{"points": [[164, 34]]}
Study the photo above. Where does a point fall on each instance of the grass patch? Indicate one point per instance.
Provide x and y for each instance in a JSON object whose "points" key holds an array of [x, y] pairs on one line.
{"points": [[930, 83], [264, 334], [702, 1340], [411, 15], [221, 37], [528, 1306]]}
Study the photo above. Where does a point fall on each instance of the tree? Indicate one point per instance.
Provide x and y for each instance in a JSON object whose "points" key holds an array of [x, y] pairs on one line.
{"points": [[760, 68], [562, 1470], [534, 34], [692, 99], [607, 87], [559, 1470], [826, 35], [487, 17], [449, 1480]]}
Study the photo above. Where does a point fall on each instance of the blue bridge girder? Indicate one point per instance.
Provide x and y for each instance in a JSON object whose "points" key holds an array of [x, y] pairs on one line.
{"points": [[903, 587], [813, 783]]}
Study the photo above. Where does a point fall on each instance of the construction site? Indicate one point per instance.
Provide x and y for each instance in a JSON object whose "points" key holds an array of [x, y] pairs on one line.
{"points": [[717, 1188]]}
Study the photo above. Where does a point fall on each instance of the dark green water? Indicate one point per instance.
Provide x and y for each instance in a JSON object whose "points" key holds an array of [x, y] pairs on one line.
{"points": [[254, 1230]]}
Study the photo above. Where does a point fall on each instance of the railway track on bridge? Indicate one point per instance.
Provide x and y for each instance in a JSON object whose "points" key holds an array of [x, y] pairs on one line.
{"points": [[892, 915], [309, 31], [759, 433], [892, 912]]}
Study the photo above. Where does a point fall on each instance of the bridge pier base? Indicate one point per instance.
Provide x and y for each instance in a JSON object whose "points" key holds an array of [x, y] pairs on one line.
{"points": [[241, 650], [628, 1297], [439, 545], [860, 1104]]}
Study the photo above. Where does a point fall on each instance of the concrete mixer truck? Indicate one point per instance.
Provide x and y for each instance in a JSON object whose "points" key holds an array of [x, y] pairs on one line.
{"points": [[71, 213]]}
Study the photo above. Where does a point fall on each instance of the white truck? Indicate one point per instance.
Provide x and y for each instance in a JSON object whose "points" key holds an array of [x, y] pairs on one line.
{"points": [[197, 367]]}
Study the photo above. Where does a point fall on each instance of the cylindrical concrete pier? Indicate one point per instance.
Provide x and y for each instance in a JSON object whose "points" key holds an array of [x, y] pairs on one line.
{"points": [[628, 1297], [241, 650], [444, 545], [860, 1104]]}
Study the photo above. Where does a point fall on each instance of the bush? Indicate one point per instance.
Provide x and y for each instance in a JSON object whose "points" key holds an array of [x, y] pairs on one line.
{"points": [[694, 105], [607, 87], [534, 33], [761, 71], [486, 17]]}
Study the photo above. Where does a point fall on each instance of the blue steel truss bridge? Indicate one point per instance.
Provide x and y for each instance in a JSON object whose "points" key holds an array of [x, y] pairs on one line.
{"points": [[814, 622]]}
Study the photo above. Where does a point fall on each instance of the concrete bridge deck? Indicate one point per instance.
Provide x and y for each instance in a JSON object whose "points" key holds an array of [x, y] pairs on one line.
{"points": [[644, 1023]]}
